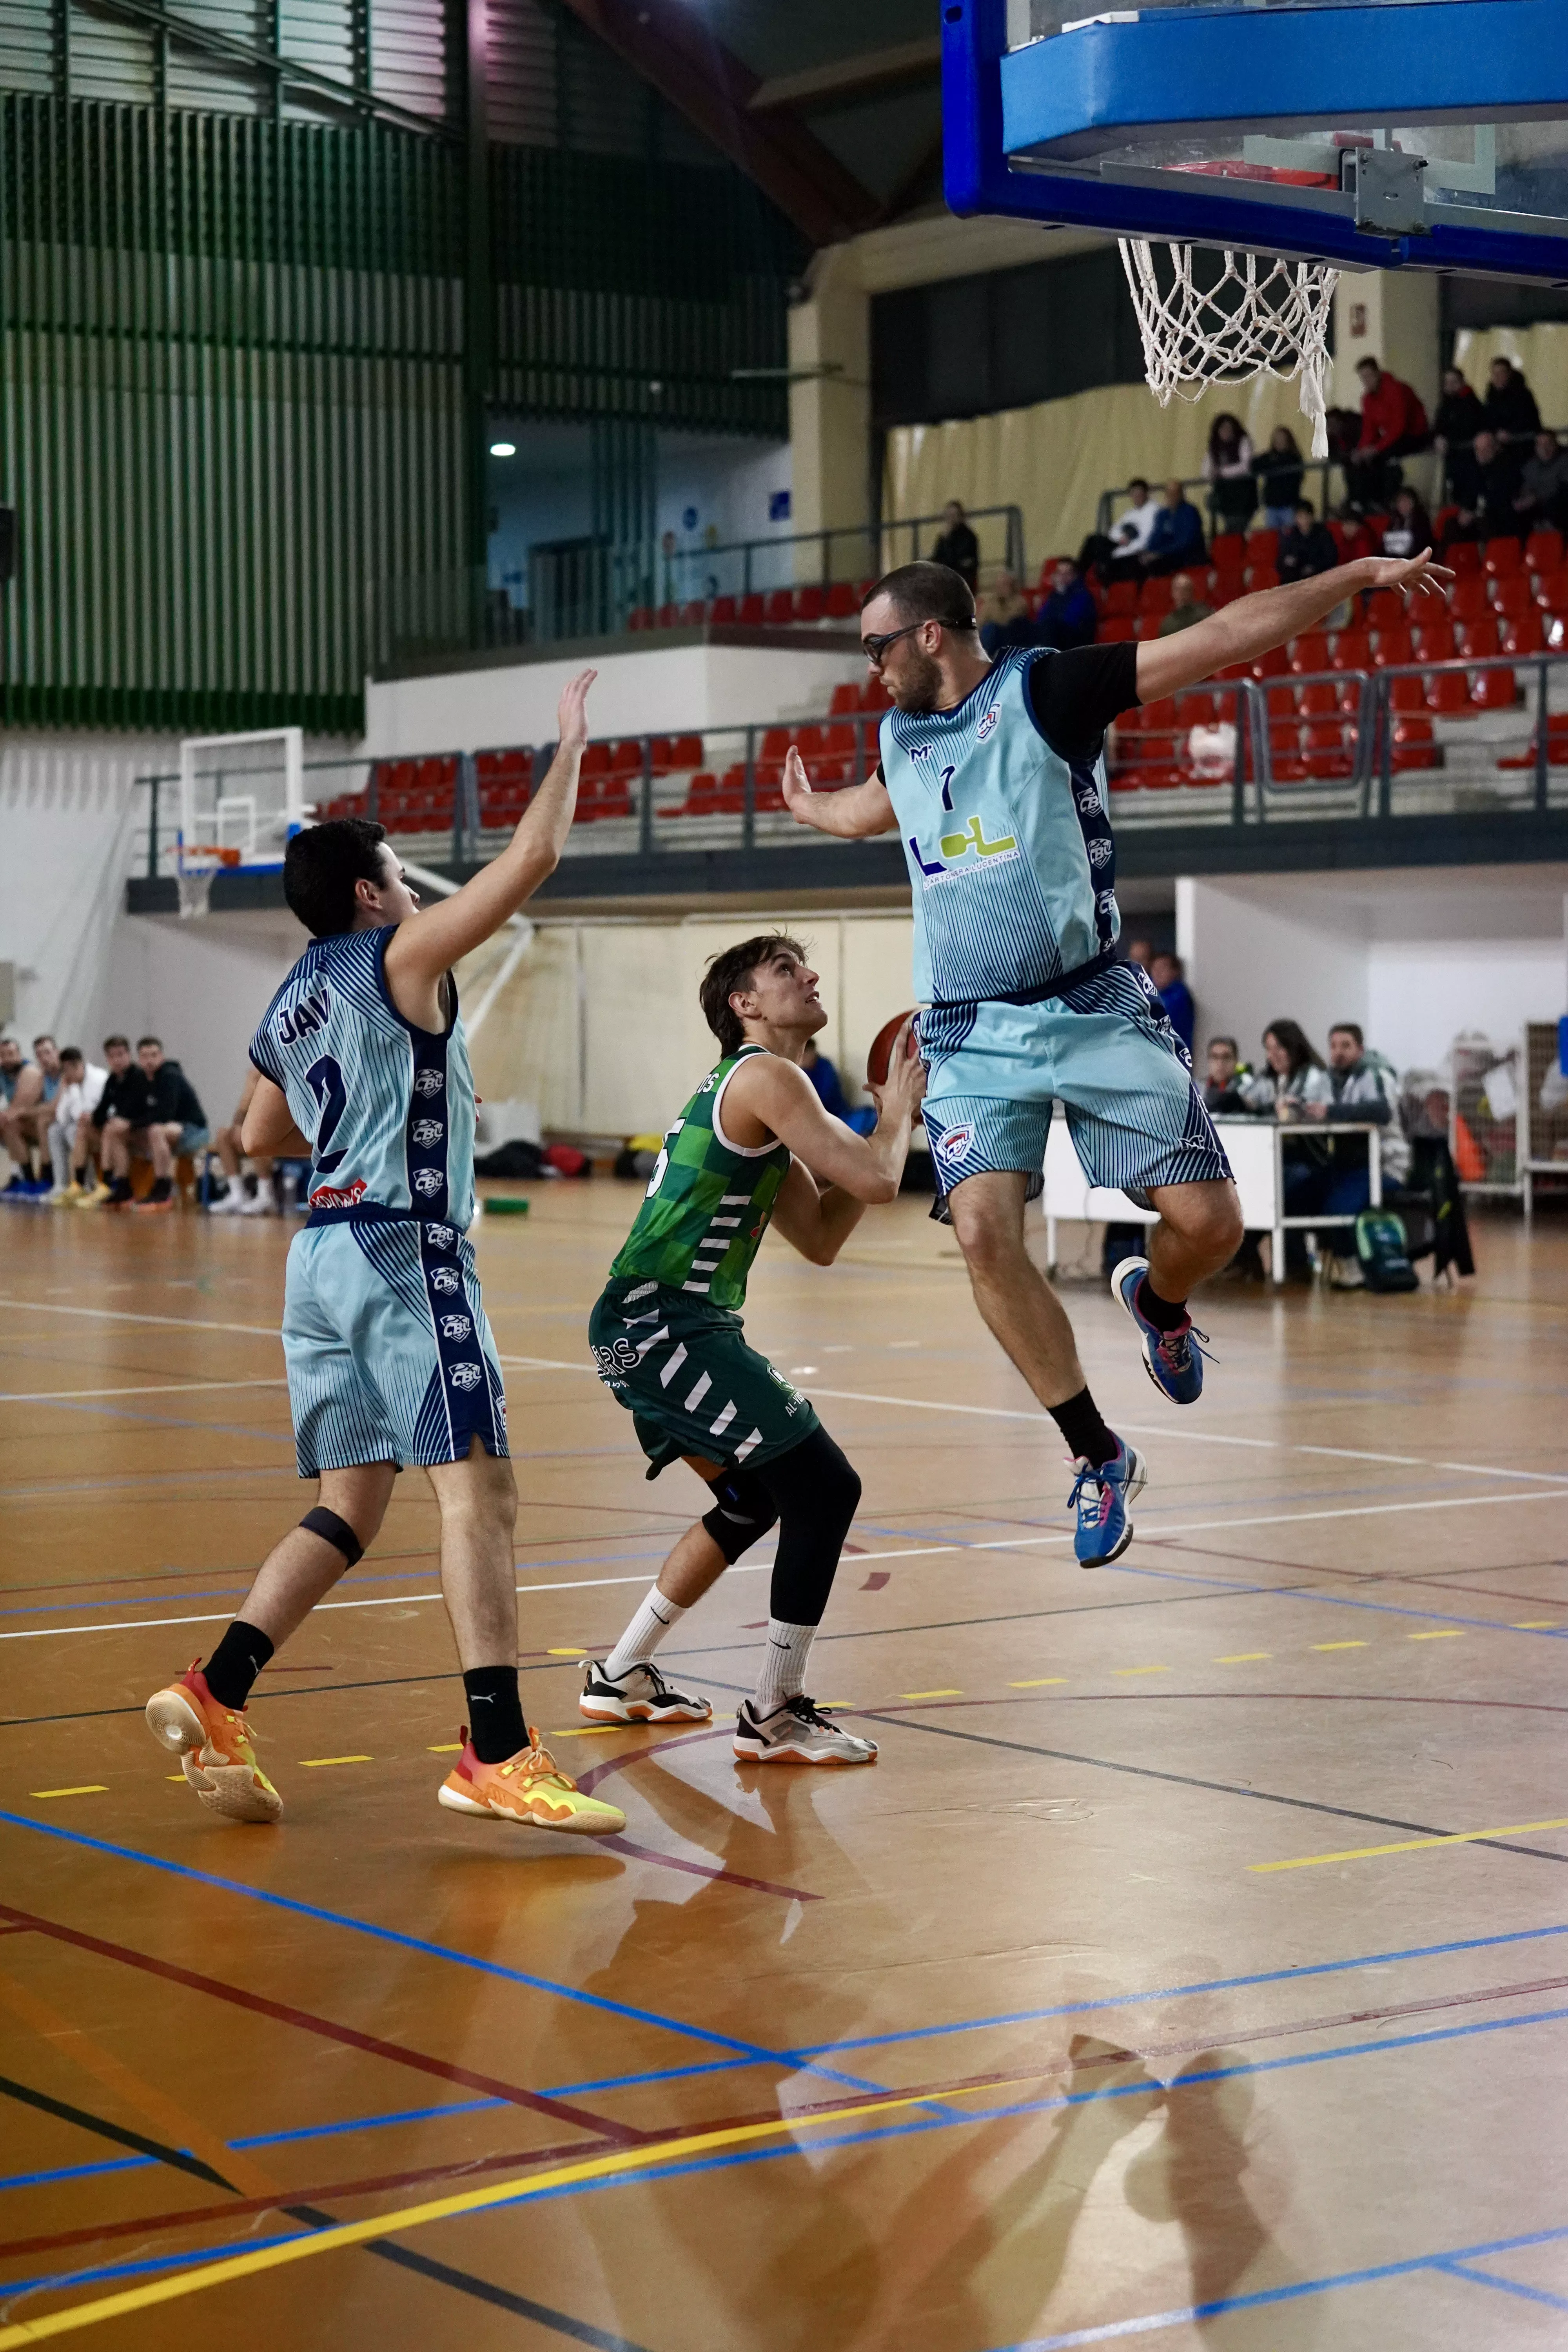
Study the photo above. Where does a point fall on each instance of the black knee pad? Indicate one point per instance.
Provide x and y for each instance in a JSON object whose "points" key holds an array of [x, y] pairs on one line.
{"points": [[817, 1493], [335, 1531], [742, 1512]]}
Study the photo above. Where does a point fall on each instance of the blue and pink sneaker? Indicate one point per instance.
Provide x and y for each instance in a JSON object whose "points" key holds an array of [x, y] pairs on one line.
{"points": [[1100, 1498], [1173, 1360]]}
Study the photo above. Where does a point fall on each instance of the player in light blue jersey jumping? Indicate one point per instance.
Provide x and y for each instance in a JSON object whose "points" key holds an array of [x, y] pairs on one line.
{"points": [[391, 1364], [994, 774]]}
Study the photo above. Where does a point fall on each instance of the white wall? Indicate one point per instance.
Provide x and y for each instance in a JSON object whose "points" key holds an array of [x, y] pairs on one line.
{"points": [[659, 689], [1414, 957], [202, 986]]}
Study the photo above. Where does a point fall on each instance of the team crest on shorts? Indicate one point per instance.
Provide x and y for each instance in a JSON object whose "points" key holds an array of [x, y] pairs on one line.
{"points": [[456, 1326], [466, 1377], [426, 1132], [988, 725], [428, 1082], [428, 1181], [439, 1238], [956, 1142], [445, 1279]]}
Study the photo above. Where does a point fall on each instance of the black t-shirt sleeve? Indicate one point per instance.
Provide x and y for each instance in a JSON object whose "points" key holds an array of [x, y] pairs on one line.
{"points": [[1076, 695]]}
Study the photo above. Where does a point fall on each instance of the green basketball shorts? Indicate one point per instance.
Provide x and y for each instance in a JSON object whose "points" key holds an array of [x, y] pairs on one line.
{"points": [[685, 1372]]}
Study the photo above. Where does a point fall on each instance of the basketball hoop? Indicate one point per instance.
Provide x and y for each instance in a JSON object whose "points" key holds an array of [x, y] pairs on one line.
{"points": [[1261, 317], [194, 877]]}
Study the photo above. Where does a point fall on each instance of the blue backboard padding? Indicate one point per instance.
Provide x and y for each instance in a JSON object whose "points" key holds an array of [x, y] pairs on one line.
{"points": [[1462, 60], [1201, 210]]}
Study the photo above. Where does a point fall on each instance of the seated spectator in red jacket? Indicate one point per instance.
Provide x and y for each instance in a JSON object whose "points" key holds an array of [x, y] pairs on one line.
{"points": [[1307, 548], [1409, 528], [1542, 498], [1068, 616], [1484, 482], [1393, 425], [1511, 412]]}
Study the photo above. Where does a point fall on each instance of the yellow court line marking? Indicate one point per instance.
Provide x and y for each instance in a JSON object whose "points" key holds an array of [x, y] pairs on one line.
{"points": [[310, 1763], [469, 2200], [592, 1730], [1040, 1681], [1441, 1634], [937, 1693], [1409, 1845], [576, 1651], [1340, 1645], [1241, 1658], [1141, 1670], [88, 1789], [1536, 1625], [447, 1747]]}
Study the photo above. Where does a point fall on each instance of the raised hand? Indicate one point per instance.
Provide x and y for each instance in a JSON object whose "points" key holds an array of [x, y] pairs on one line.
{"points": [[903, 1089], [797, 791], [1416, 575], [571, 710]]}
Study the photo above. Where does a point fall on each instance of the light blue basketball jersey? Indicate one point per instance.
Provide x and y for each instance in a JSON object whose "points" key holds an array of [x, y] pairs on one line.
{"points": [[1008, 846], [389, 1108]]}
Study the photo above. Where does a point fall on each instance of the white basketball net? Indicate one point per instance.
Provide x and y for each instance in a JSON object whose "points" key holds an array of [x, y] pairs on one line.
{"points": [[194, 876], [1260, 317]]}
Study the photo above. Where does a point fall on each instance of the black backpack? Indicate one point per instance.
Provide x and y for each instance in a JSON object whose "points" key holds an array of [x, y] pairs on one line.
{"points": [[1381, 1250]]}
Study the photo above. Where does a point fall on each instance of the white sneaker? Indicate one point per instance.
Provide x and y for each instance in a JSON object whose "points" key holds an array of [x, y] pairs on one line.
{"points": [[796, 1733], [230, 1205], [639, 1695], [257, 1203]]}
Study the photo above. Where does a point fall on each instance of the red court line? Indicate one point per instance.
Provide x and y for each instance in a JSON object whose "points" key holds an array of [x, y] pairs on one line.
{"points": [[702, 1869], [328, 2029]]}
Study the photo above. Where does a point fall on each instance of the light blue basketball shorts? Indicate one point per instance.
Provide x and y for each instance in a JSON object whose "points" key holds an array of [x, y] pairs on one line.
{"points": [[1106, 1050], [389, 1353]]}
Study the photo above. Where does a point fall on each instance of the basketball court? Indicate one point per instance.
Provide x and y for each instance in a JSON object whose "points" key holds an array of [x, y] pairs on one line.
{"points": [[1190, 1961]]}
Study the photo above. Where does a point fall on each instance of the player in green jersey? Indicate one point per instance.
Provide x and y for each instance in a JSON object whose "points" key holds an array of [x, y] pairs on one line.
{"points": [[667, 1338]]}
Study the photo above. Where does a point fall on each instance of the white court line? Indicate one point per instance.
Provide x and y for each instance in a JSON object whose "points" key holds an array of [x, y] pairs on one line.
{"points": [[123, 1315], [161, 1388], [917, 1551]]}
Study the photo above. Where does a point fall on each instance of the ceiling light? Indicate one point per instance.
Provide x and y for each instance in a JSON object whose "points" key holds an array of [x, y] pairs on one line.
{"points": [[503, 448]]}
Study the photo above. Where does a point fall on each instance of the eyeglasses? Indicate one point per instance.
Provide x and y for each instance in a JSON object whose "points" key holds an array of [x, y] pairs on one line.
{"points": [[876, 649]]}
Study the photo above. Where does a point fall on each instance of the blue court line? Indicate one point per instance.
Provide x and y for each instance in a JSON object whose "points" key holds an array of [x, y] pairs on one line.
{"points": [[1456, 2267], [1342, 1600], [257, 2139], [750, 2050], [14, 2287], [81, 2171]]}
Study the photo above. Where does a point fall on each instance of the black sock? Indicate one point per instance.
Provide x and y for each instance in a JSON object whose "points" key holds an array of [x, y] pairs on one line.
{"points": [[495, 1713], [1086, 1435], [1159, 1311], [234, 1666]]}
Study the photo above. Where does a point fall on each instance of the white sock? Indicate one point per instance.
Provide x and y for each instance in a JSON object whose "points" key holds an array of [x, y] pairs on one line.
{"points": [[782, 1671], [643, 1636]]}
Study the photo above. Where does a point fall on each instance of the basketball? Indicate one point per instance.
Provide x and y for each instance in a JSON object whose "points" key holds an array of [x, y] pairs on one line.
{"points": [[881, 1053]]}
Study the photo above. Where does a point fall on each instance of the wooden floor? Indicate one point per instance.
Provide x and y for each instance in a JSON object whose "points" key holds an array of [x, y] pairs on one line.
{"points": [[1191, 1965]]}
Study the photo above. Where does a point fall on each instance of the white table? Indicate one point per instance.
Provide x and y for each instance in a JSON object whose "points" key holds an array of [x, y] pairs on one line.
{"points": [[1255, 1148]]}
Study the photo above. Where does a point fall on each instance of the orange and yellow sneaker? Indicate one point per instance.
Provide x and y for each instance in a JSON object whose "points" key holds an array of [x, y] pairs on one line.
{"points": [[213, 1743], [529, 1786]]}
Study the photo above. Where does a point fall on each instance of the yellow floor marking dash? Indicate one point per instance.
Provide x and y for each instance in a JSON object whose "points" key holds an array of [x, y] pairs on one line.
{"points": [[593, 1731], [447, 1747], [1040, 1681], [310, 1763], [1536, 1625], [1242, 1657], [1410, 1845], [1141, 1670], [88, 1789], [1443, 1634], [576, 1651], [1339, 1645], [940, 1694]]}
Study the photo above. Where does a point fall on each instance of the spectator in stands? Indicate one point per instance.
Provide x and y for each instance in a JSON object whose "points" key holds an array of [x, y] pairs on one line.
{"points": [[1460, 416], [1225, 1079], [1280, 472], [1139, 952], [1540, 500], [1227, 470], [29, 1089], [148, 1110], [1187, 607], [1177, 537], [1068, 617], [1366, 1093], [71, 1137], [1308, 547], [1130, 533], [235, 1201], [1003, 614], [1343, 428], [1409, 528], [1293, 1078], [958, 548], [831, 1093], [1169, 977], [1511, 412], [1393, 425], [1485, 481]]}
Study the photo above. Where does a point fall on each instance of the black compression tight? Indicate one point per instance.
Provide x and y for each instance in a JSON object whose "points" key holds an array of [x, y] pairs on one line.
{"points": [[816, 1494]]}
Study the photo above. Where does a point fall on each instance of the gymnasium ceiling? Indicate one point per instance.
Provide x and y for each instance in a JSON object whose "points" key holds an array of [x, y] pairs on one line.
{"points": [[832, 106]]}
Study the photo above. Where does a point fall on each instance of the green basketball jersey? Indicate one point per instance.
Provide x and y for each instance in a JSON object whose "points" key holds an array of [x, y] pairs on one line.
{"points": [[708, 1202]]}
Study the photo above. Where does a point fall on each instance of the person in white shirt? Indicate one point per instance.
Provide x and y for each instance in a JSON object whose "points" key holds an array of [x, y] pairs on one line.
{"points": [[72, 1139], [1130, 533]]}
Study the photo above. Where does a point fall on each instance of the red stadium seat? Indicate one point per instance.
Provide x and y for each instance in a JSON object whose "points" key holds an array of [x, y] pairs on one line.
{"points": [[1447, 691], [810, 603], [1384, 609], [846, 699], [1260, 575], [1262, 546], [1406, 694], [595, 760], [1434, 641], [1122, 598], [1525, 634], [842, 602], [1476, 640], [626, 758], [1228, 551], [1468, 599], [1352, 650], [779, 608], [1551, 591], [1117, 632], [1393, 646], [1275, 663], [1501, 555], [1156, 597], [874, 696], [1323, 750], [724, 610], [1543, 552], [1495, 689], [1321, 701], [809, 741], [1225, 585], [1309, 653], [1511, 596], [694, 614], [1197, 709], [1415, 745], [667, 617], [1463, 556], [640, 618], [752, 611], [1282, 701]]}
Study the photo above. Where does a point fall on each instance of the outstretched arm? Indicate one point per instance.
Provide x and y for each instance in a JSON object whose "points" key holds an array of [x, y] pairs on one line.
{"points": [[852, 813], [436, 939], [1255, 625]]}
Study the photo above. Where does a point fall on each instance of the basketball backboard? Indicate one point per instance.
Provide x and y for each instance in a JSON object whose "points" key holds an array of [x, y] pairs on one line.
{"points": [[241, 794], [1373, 134]]}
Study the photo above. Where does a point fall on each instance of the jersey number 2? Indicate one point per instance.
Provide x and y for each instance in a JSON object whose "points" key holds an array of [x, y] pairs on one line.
{"points": [[325, 1080]]}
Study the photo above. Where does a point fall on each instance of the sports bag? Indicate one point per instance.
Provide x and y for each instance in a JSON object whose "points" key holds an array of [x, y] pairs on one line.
{"points": [[1382, 1252]]}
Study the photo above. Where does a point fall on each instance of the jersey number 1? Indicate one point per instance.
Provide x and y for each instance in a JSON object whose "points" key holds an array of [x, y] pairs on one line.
{"points": [[325, 1080]]}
